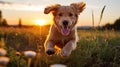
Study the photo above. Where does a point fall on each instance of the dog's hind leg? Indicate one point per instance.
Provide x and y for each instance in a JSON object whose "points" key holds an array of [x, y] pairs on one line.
{"points": [[68, 48]]}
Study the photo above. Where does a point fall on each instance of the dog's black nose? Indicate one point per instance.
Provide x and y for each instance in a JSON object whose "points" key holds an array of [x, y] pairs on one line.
{"points": [[65, 22]]}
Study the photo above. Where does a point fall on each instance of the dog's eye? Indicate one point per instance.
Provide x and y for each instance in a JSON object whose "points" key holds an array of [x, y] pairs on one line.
{"points": [[70, 14], [60, 14]]}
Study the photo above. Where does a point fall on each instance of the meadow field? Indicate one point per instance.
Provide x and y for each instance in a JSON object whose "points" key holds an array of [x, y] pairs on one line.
{"points": [[95, 48]]}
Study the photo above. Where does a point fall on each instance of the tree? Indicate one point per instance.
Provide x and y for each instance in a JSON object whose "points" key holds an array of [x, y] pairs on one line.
{"points": [[19, 23], [108, 26], [0, 17], [0, 14], [117, 24], [4, 22]]}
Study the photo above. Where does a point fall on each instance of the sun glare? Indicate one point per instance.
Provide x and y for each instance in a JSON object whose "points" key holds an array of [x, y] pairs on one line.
{"points": [[40, 22]]}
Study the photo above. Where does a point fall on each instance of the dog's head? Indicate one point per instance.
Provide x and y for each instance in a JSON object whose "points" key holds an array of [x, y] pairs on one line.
{"points": [[65, 17]]}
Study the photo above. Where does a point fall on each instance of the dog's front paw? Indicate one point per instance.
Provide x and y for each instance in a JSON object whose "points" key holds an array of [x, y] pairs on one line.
{"points": [[65, 53], [50, 52]]}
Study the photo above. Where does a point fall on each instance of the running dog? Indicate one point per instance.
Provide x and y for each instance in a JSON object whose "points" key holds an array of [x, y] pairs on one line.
{"points": [[63, 32]]}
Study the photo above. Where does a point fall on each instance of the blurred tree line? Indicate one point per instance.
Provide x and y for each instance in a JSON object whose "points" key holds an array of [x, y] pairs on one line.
{"points": [[3, 22], [114, 26], [108, 26]]}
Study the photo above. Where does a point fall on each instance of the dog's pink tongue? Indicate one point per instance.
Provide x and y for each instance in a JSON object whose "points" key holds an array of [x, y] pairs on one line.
{"points": [[65, 31]]}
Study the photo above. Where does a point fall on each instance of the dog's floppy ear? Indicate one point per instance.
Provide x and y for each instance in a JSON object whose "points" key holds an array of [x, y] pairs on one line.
{"points": [[51, 8], [79, 6]]}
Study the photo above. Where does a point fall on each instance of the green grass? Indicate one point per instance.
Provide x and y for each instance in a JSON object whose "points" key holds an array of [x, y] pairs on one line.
{"points": [[95, 48]]}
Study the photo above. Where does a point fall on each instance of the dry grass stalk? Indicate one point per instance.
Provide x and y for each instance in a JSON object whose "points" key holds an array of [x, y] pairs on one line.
{"points": [[101, 15]]}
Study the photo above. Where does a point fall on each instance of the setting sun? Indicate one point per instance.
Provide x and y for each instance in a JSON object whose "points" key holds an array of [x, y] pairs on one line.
{"points": [[41, 22]]}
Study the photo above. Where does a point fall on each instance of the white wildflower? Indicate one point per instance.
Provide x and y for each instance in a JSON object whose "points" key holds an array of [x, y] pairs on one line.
{"points": [[58, 65], [4, 60], [30, 54], [2, 52]]}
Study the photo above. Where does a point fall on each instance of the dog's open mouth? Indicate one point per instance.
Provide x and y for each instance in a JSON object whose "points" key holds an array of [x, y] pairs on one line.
{"points": [[65, 30]]}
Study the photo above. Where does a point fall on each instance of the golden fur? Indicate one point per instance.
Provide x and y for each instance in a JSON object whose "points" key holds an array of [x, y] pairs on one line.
{"points": [[63, 32]]}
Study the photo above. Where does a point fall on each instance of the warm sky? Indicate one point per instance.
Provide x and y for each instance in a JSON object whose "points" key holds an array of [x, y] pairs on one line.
{"points": [[31, 11]]}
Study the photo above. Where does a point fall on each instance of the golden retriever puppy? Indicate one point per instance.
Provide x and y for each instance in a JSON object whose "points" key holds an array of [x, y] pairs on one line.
{"points": [[63, 32]]}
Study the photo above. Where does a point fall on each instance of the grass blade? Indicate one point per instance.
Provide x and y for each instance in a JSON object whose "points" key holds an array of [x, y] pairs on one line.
{"points": [[101, 15], [93, 18]]}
